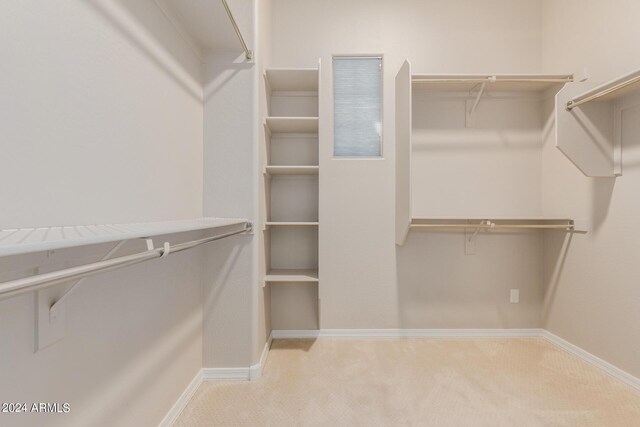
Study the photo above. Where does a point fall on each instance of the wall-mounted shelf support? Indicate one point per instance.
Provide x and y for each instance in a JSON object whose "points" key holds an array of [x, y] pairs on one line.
{"points": [[470, 238], [478, 97], [475, 233], [55, 307]]}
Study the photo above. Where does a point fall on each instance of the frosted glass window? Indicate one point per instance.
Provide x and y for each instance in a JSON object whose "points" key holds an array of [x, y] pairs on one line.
{"points": [[357, 106]]}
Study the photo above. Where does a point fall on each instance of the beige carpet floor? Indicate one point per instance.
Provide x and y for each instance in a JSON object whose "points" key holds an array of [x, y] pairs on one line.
{"points": [[417, 382]]}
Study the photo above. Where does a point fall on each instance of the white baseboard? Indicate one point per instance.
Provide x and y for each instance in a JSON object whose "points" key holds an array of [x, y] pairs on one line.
{"points": [[408, 333], [182, 401], [225, 374], [606, 367], [211, 374], [252, 372], [255, 371]]}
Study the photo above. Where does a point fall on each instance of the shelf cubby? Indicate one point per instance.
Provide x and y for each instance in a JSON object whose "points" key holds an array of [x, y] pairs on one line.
{"points": [[292, 93], [293, 198], [292, 79], [293, 150], [294, 247]]}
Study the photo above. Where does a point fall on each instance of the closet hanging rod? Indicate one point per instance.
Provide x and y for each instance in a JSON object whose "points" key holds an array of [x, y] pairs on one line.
{"points": [[604, 90], [495, 226], [248, 53], [492, 79], [39, 281]]}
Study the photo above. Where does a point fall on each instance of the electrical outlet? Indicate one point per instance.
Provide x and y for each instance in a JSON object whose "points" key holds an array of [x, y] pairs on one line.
{"points": [[514, 296]]}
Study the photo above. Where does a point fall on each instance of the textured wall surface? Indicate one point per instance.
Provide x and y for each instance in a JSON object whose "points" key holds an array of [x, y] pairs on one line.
{"points": [[592, 280]]}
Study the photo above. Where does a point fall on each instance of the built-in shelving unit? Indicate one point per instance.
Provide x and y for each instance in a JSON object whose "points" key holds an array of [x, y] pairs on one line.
{"points": [[591, 120], [441, 120], [29, 240], [291, 176]]}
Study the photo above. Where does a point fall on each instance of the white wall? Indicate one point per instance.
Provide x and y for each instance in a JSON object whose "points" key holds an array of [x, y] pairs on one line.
{"points": [[231, 292], [237, 314], [593, 293], [488, 168], [88, 91], [236, 306], [100, 121], [364, 281]]}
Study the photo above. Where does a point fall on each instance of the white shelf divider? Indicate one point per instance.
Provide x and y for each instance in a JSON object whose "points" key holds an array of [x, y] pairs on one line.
{"points": [[292, 125], [29, 240], [292, 170], [282, 275], [291, 223]]}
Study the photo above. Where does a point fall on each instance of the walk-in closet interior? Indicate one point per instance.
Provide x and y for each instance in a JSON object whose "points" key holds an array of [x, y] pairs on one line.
{"points": [[319, 212]]}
